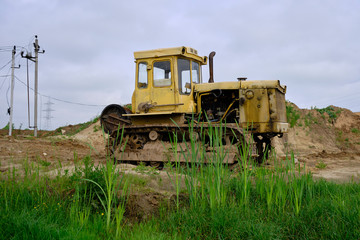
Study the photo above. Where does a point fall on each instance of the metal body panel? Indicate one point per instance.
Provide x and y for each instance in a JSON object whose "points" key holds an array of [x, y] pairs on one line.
{"points": [[163, 52], [204, 87]]}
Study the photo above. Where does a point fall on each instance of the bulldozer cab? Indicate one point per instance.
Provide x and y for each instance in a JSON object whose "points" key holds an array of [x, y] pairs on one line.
{"points": [[165, 80]]}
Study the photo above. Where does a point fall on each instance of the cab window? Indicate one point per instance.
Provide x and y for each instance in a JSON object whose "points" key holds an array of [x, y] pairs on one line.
{"points": [[195, 72], [184, 76], [162, 74], [142, 75]]}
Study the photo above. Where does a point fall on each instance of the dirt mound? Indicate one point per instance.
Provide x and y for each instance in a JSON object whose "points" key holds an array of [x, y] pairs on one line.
{"points": [[326, 140], [332, 130], [94, 137], [347, 120]]}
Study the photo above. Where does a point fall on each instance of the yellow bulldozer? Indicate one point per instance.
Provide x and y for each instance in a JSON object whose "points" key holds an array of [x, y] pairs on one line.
{"points": [[170, 96]]}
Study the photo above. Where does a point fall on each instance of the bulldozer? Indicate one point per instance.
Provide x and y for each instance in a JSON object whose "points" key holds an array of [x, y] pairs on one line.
{"points": [[170, 96]]}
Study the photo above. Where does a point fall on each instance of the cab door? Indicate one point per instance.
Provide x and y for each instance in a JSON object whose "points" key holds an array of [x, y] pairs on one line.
{"points": [[188, 76], [142, 93], [163, 87]]}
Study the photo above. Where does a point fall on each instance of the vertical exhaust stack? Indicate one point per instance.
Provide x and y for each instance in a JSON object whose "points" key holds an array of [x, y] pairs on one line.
{"points": [[211, 67]]}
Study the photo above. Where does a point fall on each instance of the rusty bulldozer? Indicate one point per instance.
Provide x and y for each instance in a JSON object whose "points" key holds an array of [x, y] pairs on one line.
{"points": [[169, 95]]}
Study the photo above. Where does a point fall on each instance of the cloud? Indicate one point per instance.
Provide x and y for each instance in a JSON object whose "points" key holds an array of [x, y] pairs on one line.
{"points": [[311, 46]]}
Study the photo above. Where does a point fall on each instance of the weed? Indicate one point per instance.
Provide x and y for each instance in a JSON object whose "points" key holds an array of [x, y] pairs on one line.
{"points": [[7, 126], [333, 115], [141, 168], [309, 119], [355, 130], [78, 128], [339, 136], [292, 114], [96, 128], [128, 106], [321, 165], [85, 125], [136, 180], [45, 163]]}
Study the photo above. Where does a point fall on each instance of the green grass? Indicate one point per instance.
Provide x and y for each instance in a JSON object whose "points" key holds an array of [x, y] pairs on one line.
{"points": [[292, 115], [141, 168], [309, 120], [277, 202], [333, 115], [321, 165], [7, 127], [355, 130], [80, 127], [327, 211]]}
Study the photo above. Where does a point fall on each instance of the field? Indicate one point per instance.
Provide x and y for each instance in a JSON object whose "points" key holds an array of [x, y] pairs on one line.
{"points": [[62, 186]]}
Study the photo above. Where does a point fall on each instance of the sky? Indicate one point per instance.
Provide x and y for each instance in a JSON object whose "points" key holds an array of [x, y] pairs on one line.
{"points": [[311, 46]]}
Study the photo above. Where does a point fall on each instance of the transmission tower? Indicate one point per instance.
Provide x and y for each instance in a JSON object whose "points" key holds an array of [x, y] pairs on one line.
{"points": [[48, 116]]}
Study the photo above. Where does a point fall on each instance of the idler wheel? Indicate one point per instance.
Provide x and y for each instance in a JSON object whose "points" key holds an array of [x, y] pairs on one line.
{"points": [[112, 118]]}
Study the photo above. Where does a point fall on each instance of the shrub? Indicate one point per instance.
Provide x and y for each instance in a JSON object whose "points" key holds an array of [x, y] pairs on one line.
{"points": [[292, 115], [355, 130], [333, 115]]}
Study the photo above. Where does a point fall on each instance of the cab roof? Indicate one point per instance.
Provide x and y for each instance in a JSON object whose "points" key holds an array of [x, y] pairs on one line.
{"points": [[177, 51]]}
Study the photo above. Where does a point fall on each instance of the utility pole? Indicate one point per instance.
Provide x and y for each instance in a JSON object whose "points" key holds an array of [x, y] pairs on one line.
{"points": [[12, 91], [36, 60], [36, 46], [11, 111]]}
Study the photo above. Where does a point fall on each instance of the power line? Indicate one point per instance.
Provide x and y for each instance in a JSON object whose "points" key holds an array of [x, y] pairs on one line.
{"points": [[6, 48], [61, 100], [5, 77], [3, 81], [1, 68]]}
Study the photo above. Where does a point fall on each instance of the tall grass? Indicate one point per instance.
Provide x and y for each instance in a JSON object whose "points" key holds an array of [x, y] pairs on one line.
{"points": [[113, 181], [86, 204], [278, 198], [280, 201], [205, 168]]}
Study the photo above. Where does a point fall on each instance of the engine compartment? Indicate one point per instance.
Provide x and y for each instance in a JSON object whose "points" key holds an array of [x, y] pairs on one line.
{"points": [[220, 105]]}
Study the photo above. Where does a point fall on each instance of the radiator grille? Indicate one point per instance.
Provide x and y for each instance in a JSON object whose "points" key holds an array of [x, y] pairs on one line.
{"points": [[280, 106]]}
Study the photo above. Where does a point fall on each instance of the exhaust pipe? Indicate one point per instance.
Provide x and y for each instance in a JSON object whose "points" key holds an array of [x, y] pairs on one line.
{"points": [[211, 67]]}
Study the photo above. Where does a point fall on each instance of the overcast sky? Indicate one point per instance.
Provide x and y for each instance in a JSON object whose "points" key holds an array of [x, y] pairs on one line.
{"points": [[312, 46]]}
